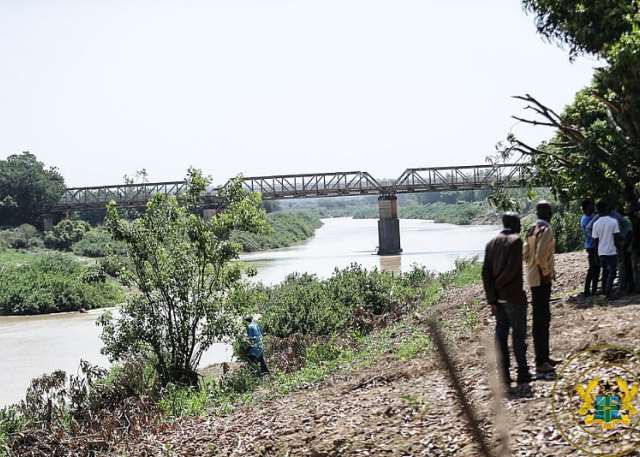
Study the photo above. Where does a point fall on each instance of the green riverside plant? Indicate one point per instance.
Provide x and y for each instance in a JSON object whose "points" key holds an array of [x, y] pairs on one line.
{"points": [[54, 282]]}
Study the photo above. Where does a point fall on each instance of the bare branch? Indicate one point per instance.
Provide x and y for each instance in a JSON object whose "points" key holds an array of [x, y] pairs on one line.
{"points": [[533, 122]]}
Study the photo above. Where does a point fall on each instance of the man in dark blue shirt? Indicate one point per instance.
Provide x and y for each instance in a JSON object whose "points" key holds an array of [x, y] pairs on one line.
{"points": [[586, 223]]}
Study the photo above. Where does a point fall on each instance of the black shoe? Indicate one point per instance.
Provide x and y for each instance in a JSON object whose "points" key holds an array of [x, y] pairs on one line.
{"points": [[554, 363], [545, 368], [524, 378]]}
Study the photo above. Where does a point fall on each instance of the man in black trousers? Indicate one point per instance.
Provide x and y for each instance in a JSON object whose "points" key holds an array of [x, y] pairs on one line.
{"points": [[539, 251], [503, 283]]}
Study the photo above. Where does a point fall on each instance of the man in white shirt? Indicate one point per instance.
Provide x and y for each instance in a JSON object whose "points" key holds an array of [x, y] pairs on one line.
{"points": [[606, 232]]}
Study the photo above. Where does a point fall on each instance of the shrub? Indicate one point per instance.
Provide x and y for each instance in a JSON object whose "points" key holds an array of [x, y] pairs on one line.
{"points": [[303, 308], [54, 283], [180, 401], [113, 265], [64, 234], [87, 412], [301, 304], [11, 422], [98, 243], [240, 381], [23, 237]]}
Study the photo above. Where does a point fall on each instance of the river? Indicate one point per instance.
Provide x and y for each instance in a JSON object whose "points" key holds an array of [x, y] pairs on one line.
{"points": [[37, 344]]}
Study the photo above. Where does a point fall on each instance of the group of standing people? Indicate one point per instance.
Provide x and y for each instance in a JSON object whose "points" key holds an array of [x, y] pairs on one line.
{"points": [[612, 242], [505, 259]]}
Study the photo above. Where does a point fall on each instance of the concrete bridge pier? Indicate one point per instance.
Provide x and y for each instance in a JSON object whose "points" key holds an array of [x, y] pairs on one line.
{"points": [[47, 222], [388, 226]]}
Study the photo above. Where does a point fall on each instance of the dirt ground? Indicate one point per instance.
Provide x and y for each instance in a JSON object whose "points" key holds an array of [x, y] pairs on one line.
{"points": [[408, 408]]}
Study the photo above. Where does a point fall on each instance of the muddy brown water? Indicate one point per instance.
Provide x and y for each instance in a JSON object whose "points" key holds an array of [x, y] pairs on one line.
{"points": [[34, 345]]}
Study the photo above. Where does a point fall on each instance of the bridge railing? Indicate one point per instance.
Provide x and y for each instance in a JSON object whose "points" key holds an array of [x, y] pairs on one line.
{"points": [[124, 194], [312, 185], [463, 178]]}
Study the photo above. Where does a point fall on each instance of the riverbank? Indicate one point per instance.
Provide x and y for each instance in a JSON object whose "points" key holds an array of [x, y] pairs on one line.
{"points": [[396, 401], [334, 337], [287, 228], [42, 283]]}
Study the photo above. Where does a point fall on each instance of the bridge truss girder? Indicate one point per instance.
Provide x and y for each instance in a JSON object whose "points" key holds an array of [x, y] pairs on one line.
{"points": [[309, 186]]}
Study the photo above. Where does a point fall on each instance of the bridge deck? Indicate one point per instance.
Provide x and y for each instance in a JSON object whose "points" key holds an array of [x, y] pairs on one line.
{"points": [[311, 185]]}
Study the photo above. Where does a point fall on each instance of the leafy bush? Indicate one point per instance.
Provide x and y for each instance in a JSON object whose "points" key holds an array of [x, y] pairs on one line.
{"points": [[308, 318], [240, 381], [113, 265], [23, 237], [566, 226], [352, 298], [65, 233], [94, 274], [53, 283], [180, 401], [98, 243]]}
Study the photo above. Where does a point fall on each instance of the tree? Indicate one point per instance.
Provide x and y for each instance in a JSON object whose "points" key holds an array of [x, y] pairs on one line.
{"points": [[26, 189], [584, 26], [183, 268], [596, 147]]}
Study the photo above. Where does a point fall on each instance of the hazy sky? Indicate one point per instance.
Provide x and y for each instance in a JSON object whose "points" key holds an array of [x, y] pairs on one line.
{"points": [[101, 88]]}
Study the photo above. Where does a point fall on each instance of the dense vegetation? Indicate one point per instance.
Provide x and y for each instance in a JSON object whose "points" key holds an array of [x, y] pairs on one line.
{"points": [[371, 317], [285, 229], [98, 242], [306, 312], [54, 283], [25, 236]]}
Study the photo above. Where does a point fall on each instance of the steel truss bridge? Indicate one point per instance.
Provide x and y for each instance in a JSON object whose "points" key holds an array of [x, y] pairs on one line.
{"points": [[314, 185]]}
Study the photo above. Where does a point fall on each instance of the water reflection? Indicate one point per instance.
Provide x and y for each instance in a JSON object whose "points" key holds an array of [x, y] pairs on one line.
{"points": [[392, 263]]}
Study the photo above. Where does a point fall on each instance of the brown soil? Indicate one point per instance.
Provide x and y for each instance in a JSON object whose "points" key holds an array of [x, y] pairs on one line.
{"points": [[407, 409]]}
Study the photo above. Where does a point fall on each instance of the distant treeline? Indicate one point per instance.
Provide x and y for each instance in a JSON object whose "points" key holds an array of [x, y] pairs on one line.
{"points": [[461, 208], [287, 229]]}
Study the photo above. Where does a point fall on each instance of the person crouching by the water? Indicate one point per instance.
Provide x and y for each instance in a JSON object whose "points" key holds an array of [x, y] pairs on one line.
{"points": [[539, 251], [256, 349], [503, 285]]}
